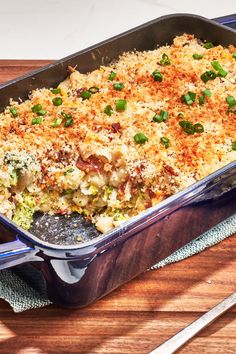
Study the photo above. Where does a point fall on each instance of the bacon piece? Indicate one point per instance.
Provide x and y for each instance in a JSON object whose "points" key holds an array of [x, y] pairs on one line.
{"points": [[170, 170], [116, 127], [91, 164], [151, 193], [80, 90]]}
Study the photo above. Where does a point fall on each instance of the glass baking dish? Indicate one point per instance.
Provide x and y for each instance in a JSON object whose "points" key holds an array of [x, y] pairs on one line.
{"points": [[74, 275]]}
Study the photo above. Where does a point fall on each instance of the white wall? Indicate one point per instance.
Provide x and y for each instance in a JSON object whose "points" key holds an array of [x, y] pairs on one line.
{"points": [[51, 29]]}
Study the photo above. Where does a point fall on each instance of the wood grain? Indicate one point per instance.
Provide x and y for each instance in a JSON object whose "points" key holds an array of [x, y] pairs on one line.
{"points": [[138, 316]]}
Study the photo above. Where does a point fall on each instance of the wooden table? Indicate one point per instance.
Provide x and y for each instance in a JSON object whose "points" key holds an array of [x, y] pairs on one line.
{"points": [[138, 316]]}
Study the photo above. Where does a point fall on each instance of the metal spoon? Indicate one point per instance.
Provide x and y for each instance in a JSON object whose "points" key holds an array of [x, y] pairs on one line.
{"points": [[182, 337]]}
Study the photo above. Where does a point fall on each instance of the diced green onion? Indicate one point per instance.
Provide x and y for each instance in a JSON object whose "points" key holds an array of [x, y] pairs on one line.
{"points": [[197, 56], [56, 91], [57, 101], [67, 191], [164, 114], [234, 55], [108, 110], [140, 138], [159, 118], [207, 92], [208, 45], [56, 122], [234, 145], [198, 128], [188, 127], [208, 75], [118, 86], [36, 108], [201, 100], [157, 75], [165, 59], [93, 89], [112, 76], [85, 95], [121, 105], [42, 112], [231, 101], [70, 170], [216, 65], [180, 115], [189, 98], [69, 121], [165, 141], [66, 115], [37, 120], [13, 112]]}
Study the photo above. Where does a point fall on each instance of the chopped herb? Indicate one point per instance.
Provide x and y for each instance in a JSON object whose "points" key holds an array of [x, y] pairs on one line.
{"points": [[140, 138], [157, 75], [216, 65], [36, 108], [198, 128], [189, 98], [208, 75], [234, 145], [56, 91], [190, 129], [56, 122], [66, 115], [85, 95], [108, 110], [159, 118], [118, 86], [187, 126], [93, 89], [201, 100], [207, 92], [180, 115], [112, 76], [208, 45], [121, 105], [165, 60], [165, 141], [234, 55], [231, 101], [70, 170], [13, 112], [57, 101], [197, 56], [37, 120], [42, 112], [69, 121], [67, 192]]}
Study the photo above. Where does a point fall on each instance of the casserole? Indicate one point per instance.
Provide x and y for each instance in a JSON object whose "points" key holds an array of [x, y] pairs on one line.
{"points": [[77, 275]]}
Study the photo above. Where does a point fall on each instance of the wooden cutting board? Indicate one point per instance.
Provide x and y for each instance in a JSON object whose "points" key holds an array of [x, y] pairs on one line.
{"points": [[138, 316]]}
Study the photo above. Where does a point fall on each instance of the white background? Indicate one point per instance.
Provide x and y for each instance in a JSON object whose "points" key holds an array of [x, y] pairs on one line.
{"points": [[51, 29]]}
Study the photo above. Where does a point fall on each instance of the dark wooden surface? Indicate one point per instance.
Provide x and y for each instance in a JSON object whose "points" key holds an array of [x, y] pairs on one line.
{"points": [[138, 316]]}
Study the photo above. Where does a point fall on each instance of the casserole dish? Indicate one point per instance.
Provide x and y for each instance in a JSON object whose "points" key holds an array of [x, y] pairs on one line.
{"points": [[76, 275]]}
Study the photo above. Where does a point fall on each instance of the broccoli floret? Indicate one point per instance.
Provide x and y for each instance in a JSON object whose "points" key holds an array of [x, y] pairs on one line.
{"points": [[24, 212], [22, 168]]}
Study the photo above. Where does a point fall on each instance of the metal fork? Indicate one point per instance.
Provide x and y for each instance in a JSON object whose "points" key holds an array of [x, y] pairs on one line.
{"points": [[182, 337]]}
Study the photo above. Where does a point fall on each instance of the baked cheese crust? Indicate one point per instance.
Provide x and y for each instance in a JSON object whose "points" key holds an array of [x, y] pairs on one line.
{"points": [[113, 142]]}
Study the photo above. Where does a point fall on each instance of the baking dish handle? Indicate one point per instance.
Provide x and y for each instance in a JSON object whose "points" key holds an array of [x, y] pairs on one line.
{"points": [[14, 253], [229, 20]]}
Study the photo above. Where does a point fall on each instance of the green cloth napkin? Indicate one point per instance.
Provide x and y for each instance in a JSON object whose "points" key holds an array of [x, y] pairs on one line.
{"points": [[22, 297]]}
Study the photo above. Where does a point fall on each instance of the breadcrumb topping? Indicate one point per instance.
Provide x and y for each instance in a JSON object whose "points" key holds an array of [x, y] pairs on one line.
{"points": [[111, 145]]}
